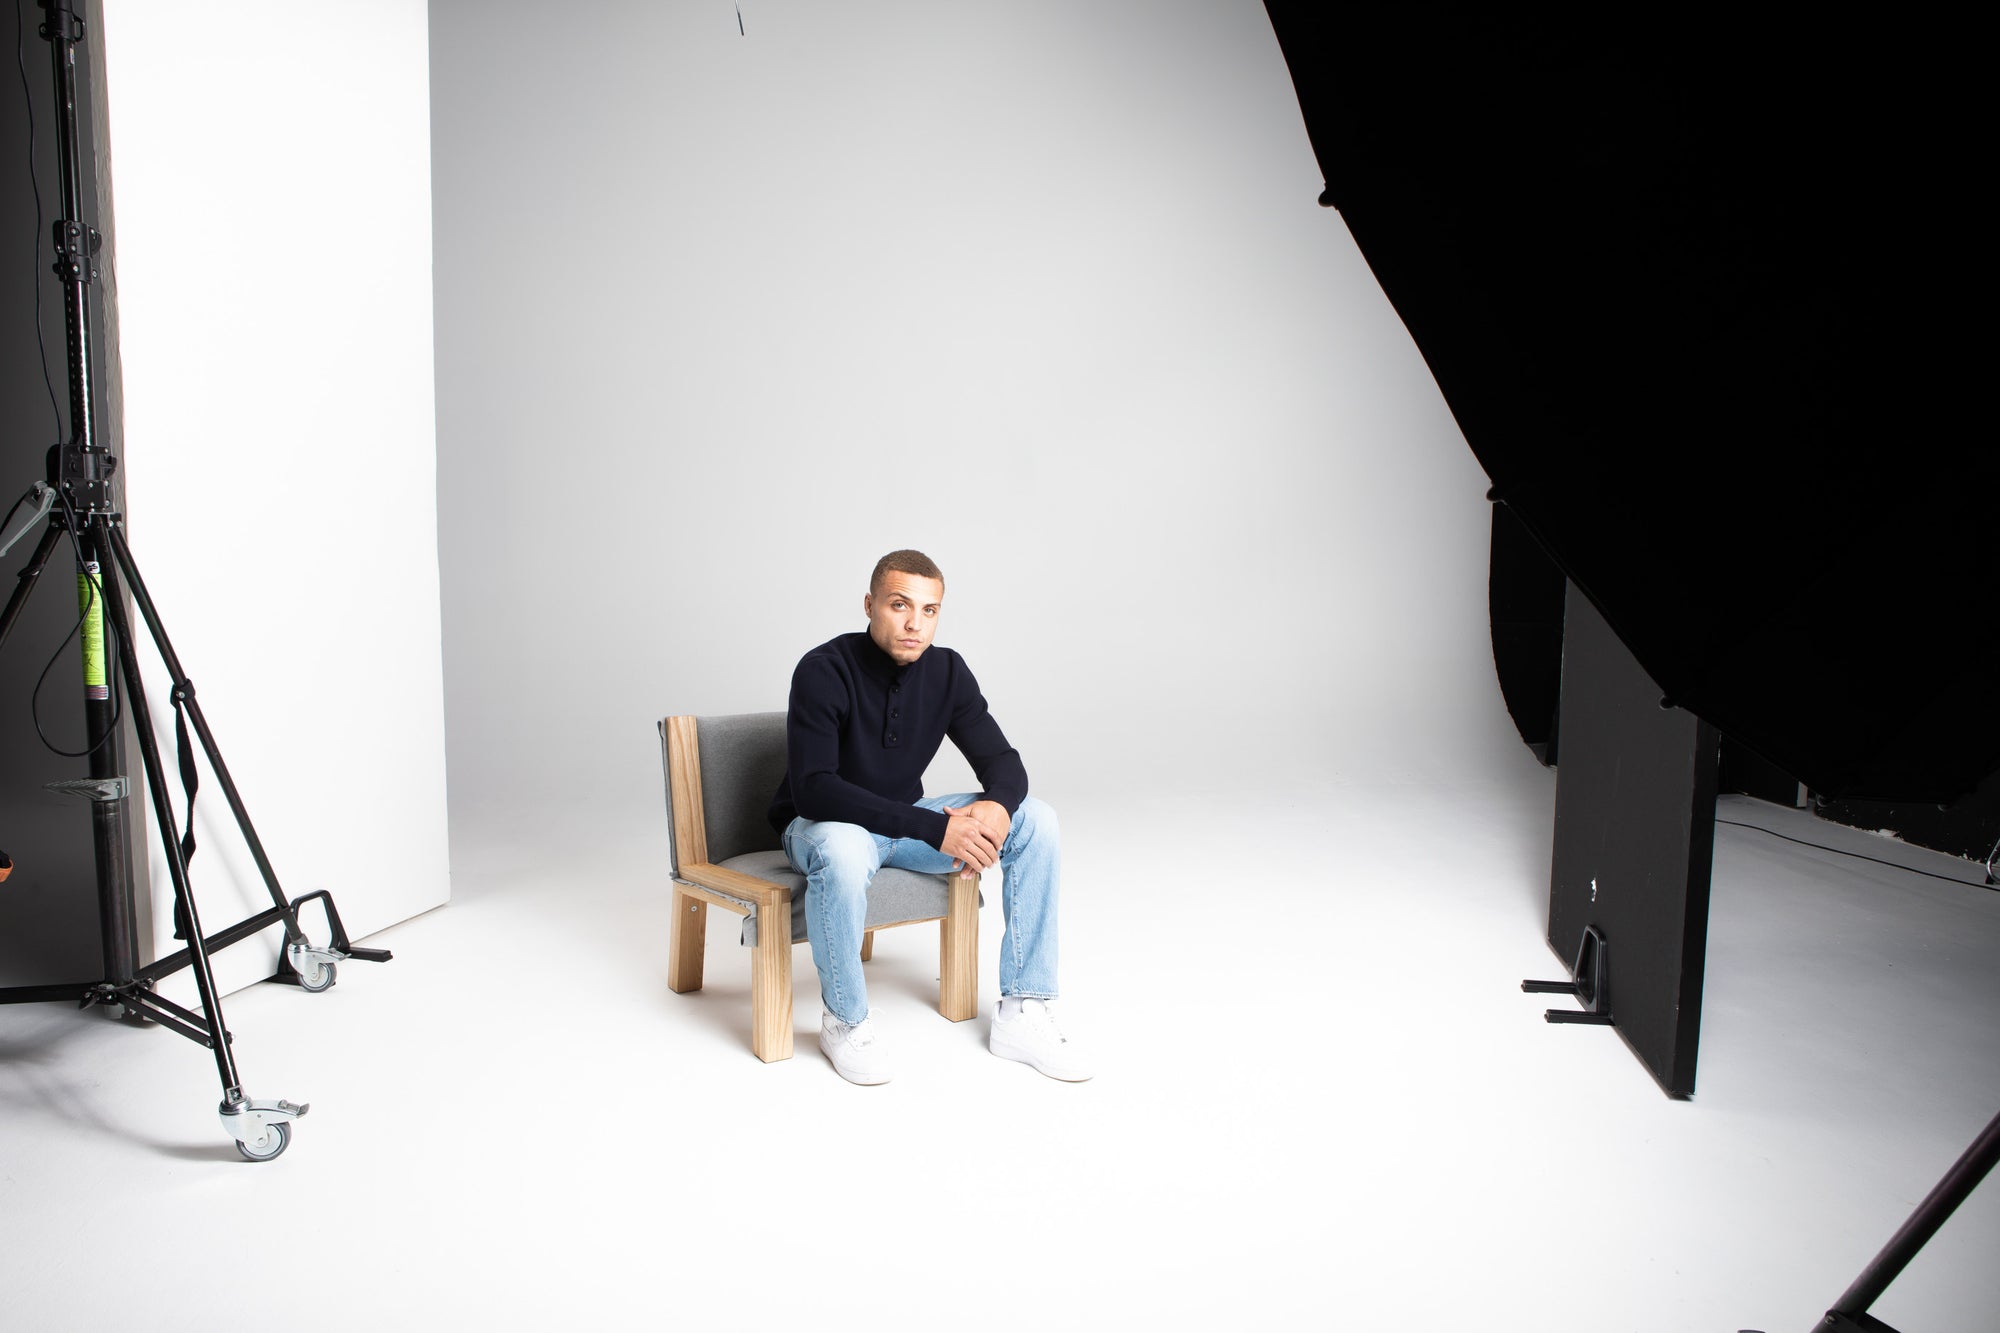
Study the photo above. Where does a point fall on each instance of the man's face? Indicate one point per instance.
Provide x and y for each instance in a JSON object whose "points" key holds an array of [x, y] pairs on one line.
{"points": [[903, 615]]}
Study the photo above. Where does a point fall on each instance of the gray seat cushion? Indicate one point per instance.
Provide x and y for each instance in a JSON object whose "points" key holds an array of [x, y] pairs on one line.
{"points": [[893, 895]]}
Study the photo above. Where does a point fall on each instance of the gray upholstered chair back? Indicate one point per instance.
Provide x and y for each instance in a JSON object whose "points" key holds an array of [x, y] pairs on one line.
{"points": [[742, 760]]}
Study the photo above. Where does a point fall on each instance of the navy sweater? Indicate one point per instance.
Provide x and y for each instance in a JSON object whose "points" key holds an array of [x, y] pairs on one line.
{"points": [[861, 730]]}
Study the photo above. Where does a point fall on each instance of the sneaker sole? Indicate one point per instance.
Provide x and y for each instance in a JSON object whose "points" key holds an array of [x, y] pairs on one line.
{"points": [[1023, 1057]]}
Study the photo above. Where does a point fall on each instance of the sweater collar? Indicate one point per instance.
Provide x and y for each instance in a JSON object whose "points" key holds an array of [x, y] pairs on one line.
{"points": [[879, 663]]}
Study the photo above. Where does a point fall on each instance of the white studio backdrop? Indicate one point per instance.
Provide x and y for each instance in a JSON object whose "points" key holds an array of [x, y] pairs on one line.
{"points": [[1041, 289], [272, 196]]}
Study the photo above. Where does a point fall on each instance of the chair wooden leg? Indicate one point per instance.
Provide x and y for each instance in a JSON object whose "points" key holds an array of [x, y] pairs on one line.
{"points": [[771, 983], [690, 937], [958, 951], [868, 946]]}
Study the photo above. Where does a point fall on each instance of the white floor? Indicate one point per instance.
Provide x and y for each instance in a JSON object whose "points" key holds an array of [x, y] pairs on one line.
{"points": [[1323, 1103]]}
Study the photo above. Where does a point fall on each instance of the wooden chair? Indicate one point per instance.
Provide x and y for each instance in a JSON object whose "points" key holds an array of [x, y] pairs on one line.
{"points": [[721, 775]]}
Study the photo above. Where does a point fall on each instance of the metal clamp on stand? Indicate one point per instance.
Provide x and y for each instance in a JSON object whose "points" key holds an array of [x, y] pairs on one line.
{"points": [[1837, 1322], [45, 500]]}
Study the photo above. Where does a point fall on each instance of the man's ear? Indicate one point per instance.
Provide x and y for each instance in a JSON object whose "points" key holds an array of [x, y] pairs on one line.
{"points": [[868, 606]]}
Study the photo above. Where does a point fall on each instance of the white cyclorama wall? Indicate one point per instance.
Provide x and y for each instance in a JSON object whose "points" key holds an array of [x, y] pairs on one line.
{"points": [[272, 194], [1039, 288]]}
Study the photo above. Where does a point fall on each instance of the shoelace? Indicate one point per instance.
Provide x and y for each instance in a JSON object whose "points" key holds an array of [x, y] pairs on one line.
{"points": [[1044, 1018], [860, 1035]]}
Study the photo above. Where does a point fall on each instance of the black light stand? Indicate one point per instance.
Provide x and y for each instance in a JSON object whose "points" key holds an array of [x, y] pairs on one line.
{"points": [[77, 498], [1850, 1313]]}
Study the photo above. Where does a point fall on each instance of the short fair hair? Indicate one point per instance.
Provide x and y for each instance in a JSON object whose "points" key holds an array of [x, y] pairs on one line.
{"points": [[906, 562]]}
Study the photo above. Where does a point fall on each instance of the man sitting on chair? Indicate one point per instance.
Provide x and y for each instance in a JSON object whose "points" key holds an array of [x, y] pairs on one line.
{"points": [[868, 712]]}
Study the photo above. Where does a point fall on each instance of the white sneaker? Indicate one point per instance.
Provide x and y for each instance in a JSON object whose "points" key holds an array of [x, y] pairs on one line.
{"points": [[854, 1049], [1033, 1038]]}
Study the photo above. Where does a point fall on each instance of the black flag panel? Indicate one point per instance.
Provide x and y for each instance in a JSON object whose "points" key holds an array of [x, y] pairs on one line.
{"points": [[1707, 301]]}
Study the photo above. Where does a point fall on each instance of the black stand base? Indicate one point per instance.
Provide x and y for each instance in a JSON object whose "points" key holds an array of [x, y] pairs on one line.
{"points": [[337, 943], [1591, 983], [261, 1129], [1836, 1322]]}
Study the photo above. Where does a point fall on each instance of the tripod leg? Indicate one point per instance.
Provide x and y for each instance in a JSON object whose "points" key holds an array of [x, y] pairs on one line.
{"points": [[28, 578], [262, 1129], [122, 553], [163, 815], [1959, 1182]]}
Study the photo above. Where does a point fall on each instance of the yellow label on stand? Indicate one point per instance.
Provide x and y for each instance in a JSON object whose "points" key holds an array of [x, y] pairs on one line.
{"points": [[90, 600]]}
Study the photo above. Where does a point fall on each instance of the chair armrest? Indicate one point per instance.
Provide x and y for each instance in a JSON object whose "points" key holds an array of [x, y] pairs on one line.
{"points": [[736, 884]]}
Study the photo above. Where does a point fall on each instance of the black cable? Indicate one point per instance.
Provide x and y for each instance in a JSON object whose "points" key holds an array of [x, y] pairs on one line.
{"points": [[1893, 865], [35, 183]]}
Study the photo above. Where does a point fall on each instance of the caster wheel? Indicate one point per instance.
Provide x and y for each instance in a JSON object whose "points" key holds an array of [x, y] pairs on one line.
{"points": [[276, 1139], [319, 979]]}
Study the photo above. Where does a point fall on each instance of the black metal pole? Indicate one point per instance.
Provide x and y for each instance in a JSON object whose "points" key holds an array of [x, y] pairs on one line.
{"points": [[1950, 1192], [108, 805], [75, 249]]}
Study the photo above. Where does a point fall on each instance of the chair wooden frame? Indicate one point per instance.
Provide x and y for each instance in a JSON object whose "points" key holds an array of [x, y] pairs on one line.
{"points": [[699, 885]]}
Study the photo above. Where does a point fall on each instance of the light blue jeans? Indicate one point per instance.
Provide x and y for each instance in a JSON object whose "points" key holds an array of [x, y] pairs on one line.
{"points": [[838, 860]]}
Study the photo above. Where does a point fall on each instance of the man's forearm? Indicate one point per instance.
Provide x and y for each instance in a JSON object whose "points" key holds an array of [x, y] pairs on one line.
{"points": [[1003, 779], [824, 796]]}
